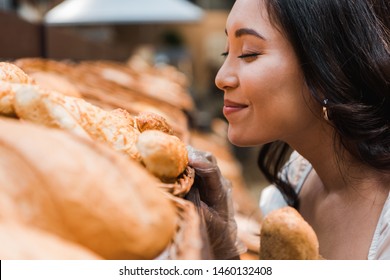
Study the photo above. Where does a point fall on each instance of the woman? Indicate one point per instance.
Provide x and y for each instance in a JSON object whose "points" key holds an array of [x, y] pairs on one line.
{"points": [[315, 76]]}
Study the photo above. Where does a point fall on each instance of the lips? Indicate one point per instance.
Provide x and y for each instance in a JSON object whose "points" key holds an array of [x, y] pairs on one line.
{"points": [[230, 107]]}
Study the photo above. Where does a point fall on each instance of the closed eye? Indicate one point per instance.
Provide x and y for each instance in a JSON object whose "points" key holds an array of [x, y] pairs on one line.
{"points": [[249, 55]]}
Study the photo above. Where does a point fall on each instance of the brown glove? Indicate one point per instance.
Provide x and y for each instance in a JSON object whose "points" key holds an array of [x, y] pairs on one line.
{"points": [[216, 204]]}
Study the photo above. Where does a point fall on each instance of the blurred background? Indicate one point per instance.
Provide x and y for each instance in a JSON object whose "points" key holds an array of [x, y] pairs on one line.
{"points": [[188, 35]]}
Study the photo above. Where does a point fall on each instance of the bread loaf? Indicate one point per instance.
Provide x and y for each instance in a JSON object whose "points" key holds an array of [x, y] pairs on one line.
{"points": [[115, 128], [285, 235], [20, 242], [83, 191]]}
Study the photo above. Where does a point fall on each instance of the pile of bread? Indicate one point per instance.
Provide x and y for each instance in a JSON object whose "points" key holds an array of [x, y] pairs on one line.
{"points": [[83, 178], [94, 165], [83, 172]]}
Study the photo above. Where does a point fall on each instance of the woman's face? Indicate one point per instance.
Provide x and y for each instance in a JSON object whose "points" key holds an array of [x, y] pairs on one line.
{"points": [[265, 96]]}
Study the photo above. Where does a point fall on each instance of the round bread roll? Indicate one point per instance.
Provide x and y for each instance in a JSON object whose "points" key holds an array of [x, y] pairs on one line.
{"points": [[285, 235], [164, 155], [83, 191]]}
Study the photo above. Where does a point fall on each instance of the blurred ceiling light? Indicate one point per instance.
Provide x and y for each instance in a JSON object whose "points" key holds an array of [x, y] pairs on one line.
{"points": [[91, 12]]}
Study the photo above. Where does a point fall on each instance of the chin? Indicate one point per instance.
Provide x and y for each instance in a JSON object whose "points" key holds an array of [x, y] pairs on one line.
{"points": [[242, 139]]}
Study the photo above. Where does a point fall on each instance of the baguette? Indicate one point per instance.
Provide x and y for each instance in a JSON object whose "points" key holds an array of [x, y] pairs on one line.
{"points": [[115, 128]]}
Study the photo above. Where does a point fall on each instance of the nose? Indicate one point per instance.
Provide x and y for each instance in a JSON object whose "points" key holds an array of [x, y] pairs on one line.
{"points": [[226, 77]]}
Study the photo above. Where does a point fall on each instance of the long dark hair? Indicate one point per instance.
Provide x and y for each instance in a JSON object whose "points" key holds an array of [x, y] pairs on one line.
{"points": [[344, 50]]}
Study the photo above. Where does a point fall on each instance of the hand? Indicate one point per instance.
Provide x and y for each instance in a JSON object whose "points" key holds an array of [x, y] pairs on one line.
{"points": [[213, 194]]}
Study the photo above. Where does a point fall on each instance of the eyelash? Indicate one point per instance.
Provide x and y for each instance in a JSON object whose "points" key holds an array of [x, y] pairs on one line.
{"points": [[225, 54]]}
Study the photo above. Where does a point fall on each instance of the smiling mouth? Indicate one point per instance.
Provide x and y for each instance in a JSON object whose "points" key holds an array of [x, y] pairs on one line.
{"points": [[232, 107], [229, 103]]}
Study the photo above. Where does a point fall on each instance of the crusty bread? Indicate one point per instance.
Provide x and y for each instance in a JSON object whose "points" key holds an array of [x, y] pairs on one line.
{"points": [[40, 106], [116, 128], [83, 191], [285, 235], [20, 242], [164, 155]]}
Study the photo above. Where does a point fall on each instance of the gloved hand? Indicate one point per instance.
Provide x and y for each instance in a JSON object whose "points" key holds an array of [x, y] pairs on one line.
{"points": [[216, 204]]}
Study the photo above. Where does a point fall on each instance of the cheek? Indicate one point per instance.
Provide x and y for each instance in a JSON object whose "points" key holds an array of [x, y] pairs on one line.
{"points": [[279, 107], [269, 92], [277, 84]]}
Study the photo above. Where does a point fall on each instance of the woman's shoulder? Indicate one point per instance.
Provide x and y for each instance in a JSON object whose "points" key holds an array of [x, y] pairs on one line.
{"points": [[295, 171]]}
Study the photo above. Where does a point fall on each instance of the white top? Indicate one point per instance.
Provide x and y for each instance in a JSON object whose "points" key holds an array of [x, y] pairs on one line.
{"points": [[296, 171]]}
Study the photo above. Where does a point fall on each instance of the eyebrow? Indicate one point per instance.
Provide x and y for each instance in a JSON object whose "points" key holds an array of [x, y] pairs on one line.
{"points": [[247, 31]]}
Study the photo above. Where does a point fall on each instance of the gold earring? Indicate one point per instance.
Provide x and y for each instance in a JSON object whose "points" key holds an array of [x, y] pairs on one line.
{"points": [[325, 110]]}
